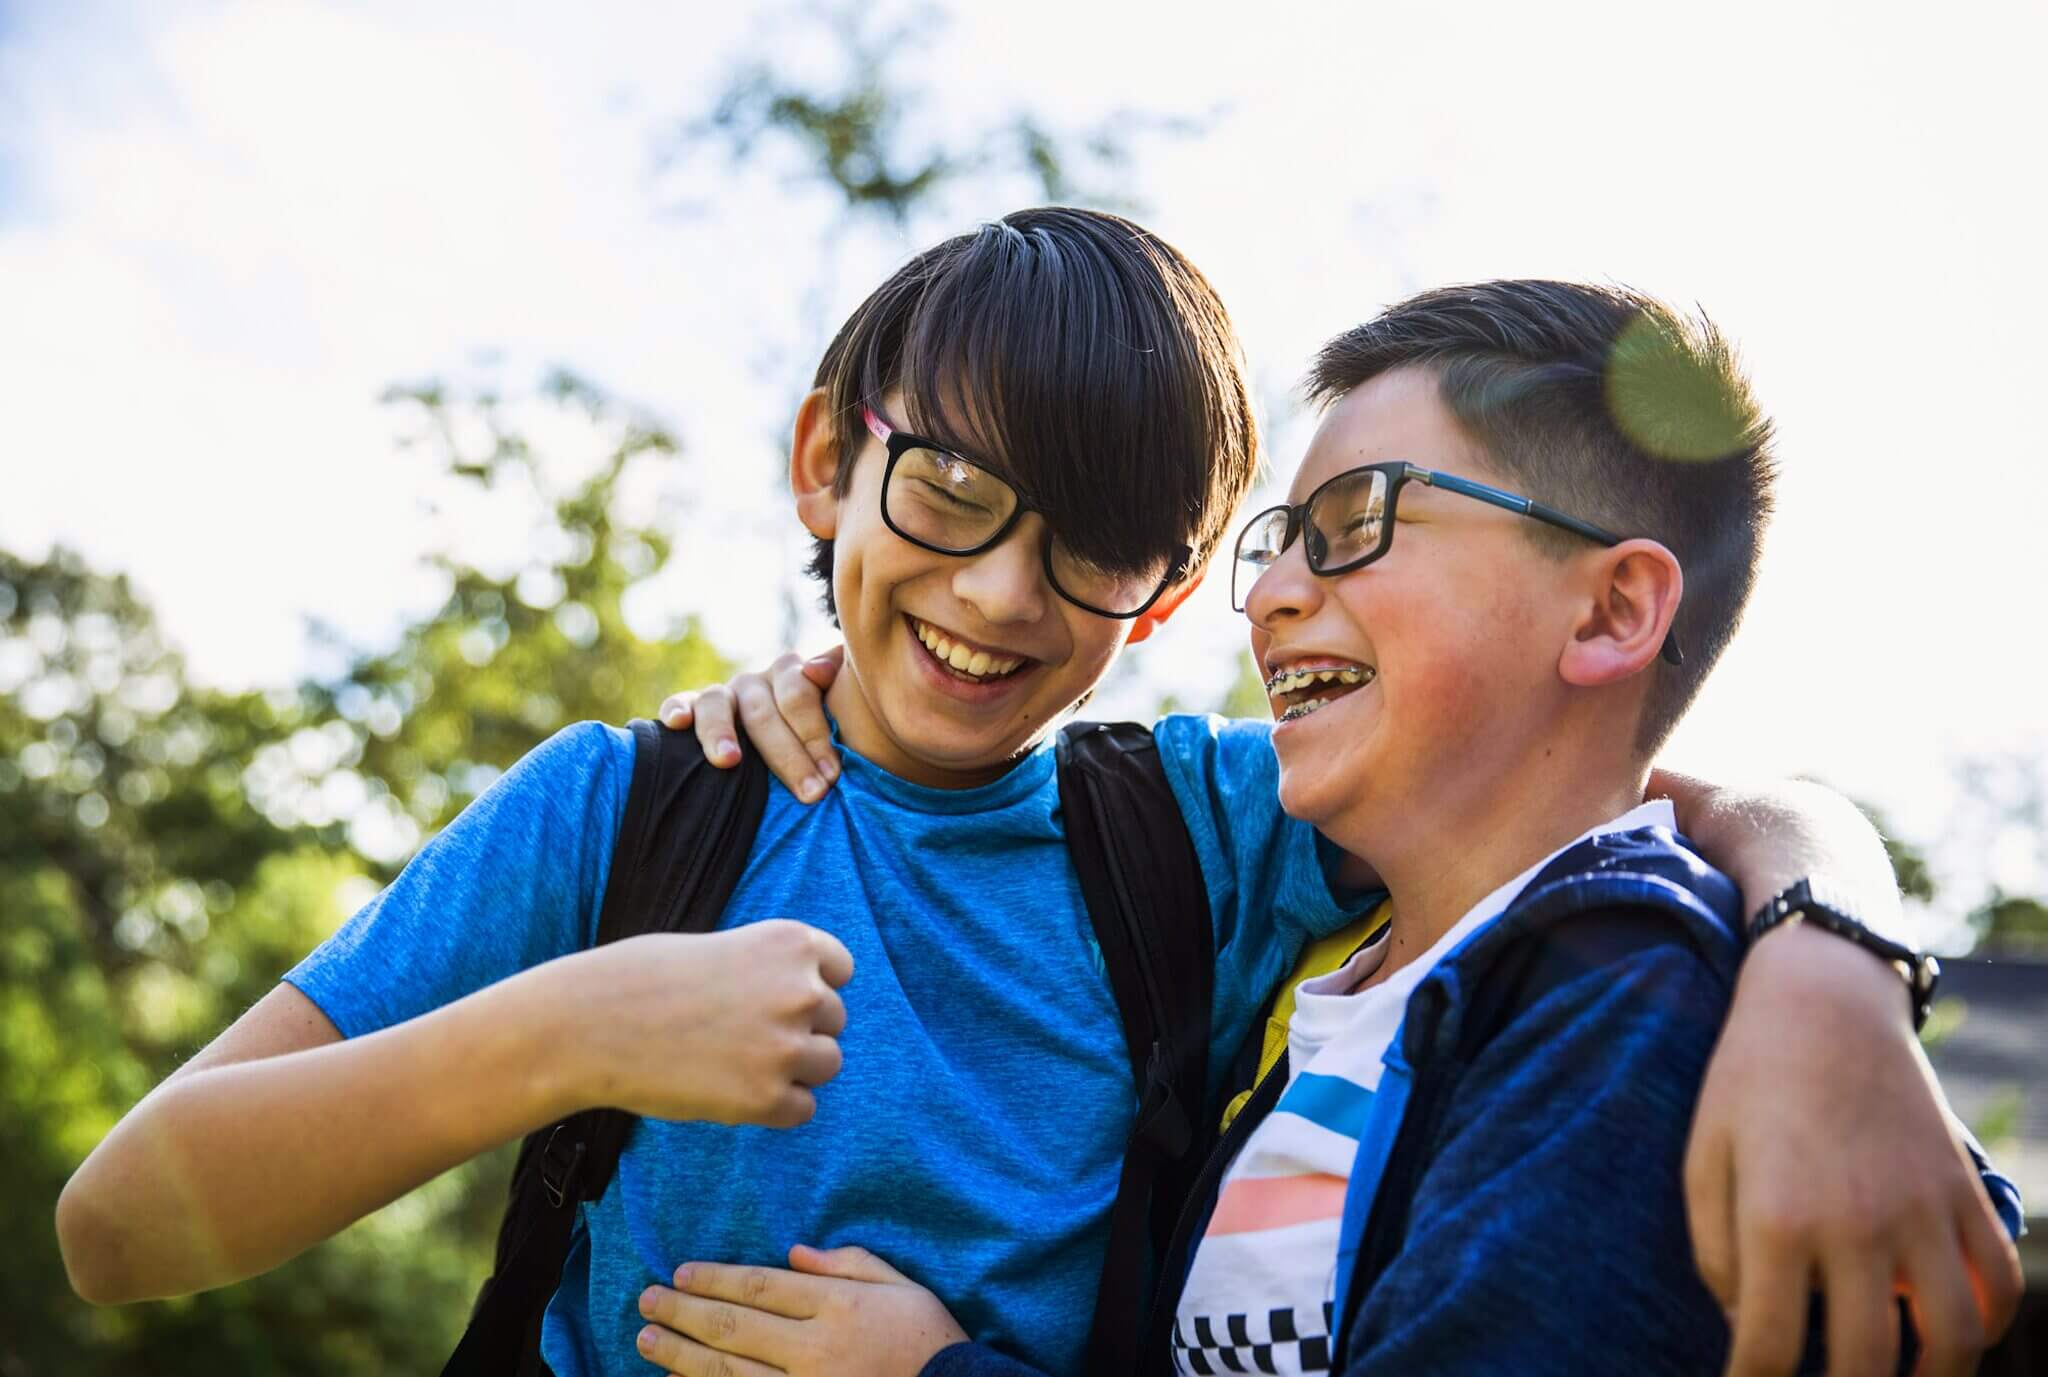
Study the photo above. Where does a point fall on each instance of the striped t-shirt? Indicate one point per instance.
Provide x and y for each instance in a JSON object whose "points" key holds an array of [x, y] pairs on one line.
{"points": [[1259, 1296]]}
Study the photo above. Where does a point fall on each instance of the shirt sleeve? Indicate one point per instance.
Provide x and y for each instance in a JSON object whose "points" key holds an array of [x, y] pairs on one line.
{"points": [[517, 879], [1547, 1232]]}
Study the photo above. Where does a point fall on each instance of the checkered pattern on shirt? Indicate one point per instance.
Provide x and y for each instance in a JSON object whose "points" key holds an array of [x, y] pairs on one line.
{"points": [[1230, 1345]]}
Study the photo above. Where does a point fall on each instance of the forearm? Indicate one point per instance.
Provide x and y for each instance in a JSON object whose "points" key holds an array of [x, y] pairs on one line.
{"points": [[229, 1170]]}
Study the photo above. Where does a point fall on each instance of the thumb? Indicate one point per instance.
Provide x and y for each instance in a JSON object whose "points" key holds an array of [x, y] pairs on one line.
{"points": [[823, 668], [849, 1264]]}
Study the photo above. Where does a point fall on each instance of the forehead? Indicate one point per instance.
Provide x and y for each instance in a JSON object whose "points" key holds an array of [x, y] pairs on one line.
{"points": [[1399, 414]]}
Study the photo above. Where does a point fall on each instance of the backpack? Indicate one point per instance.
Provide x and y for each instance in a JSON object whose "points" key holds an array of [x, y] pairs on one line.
{"points": [[682, 847]]}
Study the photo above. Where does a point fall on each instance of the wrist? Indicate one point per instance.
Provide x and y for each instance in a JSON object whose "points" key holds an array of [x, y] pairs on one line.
{"points": [[535, 1032], [1815, 903], [1807, 966]]}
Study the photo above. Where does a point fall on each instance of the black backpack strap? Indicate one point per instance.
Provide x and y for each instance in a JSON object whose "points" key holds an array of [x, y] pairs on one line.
{"points": [[1142, 881], [681, 849]]}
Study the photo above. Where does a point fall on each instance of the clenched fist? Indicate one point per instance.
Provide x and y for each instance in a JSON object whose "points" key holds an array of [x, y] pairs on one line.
{"points": [[735, 1027]]}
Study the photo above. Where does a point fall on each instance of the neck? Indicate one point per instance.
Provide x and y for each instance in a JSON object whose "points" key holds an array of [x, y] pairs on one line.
{"points": [[1438, 863]]}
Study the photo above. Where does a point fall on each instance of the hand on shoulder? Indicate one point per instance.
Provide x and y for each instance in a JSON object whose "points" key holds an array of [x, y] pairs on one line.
{"points": [[783, 710]]}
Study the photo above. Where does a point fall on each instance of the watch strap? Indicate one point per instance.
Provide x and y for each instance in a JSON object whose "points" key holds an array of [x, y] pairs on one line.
{"points": [[1813, 900]]}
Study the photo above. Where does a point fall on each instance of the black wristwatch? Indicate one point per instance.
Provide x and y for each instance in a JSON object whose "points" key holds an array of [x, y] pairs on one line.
{"points": [[1815, 901]]}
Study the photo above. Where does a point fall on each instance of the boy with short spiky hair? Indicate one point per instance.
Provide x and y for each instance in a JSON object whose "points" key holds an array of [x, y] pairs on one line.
{"points": [[1532, 518]]}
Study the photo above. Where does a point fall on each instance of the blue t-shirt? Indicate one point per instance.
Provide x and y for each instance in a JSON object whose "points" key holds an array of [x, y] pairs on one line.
{"points": [[975, 1135]]}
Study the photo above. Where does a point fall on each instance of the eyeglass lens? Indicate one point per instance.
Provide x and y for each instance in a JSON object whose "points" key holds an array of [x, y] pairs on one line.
{"points": [[1345, 522], [950, 504]]}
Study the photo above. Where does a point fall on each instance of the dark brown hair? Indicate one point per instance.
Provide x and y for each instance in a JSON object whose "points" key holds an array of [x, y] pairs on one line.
{"points": [[1612, 407], [1077, 354]]}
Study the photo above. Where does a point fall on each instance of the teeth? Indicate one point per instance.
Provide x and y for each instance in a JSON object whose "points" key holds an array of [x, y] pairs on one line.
{"points": [[962, 658], [1303, 709], [1293, 681]]}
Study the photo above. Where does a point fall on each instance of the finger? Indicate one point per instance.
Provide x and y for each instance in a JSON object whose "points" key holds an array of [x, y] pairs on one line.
{"points": [[676, 710], [770, 1290], [793, 1109], [1686, 792], [829, 1017], [1993, 1260], [728, 1324], [1862, 1315], [788, 759], [686, 1357], [835, 962], [714, 726], [1710, 1211], [804, 707], [850, 1263], [823, 668], [1770, 1313], [818, 1062], [1936, 1276]]}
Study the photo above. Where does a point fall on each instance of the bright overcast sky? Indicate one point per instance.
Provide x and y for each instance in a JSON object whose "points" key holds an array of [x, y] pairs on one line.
{"points": [[225, 227]]}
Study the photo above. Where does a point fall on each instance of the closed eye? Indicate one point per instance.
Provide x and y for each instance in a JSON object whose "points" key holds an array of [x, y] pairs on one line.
{"points": [[933, 492]]}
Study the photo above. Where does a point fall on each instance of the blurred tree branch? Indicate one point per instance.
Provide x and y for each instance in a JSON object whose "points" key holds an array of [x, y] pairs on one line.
{"points": [[851, 134]]}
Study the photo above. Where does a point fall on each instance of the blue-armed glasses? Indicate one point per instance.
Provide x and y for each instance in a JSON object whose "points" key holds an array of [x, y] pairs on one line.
{"points": [[1348, 523]]}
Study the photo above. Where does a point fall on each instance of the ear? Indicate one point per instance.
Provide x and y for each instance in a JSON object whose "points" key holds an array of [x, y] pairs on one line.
{"points": [[1156, 615], [1634, 595], [814, 466]]}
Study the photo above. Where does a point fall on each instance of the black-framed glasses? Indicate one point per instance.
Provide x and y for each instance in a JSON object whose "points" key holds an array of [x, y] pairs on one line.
{"points": [[1348, 522], [941, 502]]}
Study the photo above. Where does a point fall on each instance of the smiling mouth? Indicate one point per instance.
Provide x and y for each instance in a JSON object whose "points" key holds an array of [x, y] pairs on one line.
{"points": [[1298, 691], [970, 663]]}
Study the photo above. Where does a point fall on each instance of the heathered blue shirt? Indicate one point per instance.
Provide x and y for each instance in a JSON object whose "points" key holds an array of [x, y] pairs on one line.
{"points": [[975, 1135]]}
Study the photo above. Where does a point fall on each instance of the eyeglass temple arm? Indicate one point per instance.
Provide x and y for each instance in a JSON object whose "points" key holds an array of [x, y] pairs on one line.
{"points": [[1452, 483]]}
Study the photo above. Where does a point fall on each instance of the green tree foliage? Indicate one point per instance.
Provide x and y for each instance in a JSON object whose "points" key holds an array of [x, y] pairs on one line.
{"points": [[2013, 925], [866, 134], [167, 851]]}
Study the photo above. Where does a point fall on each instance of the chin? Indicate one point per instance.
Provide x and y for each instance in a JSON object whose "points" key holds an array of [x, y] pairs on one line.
{"points": [[950, 745], [1305, 790], [1327, 788]]}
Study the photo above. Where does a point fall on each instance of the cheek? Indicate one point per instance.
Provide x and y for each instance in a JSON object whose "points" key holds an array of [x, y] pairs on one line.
{"points": [[1463, 677], [1089, 652]]}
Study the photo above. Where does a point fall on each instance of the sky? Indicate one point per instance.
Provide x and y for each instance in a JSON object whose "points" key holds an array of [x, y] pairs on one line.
{"points": [[226, 227]]}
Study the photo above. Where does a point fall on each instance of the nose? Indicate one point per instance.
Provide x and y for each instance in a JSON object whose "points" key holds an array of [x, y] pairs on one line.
{"points": [[1287, 589], [1006, 583]]}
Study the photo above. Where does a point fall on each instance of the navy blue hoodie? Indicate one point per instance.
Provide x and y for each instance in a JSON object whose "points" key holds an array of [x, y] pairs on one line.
{"points": [[1518, 1204]]}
